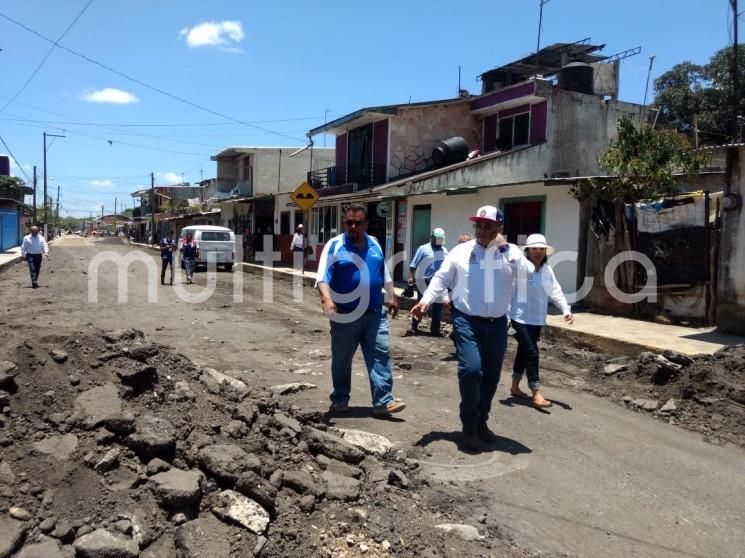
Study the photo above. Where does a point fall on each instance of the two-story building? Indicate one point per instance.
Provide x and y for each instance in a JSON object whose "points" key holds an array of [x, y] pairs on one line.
{"points": [[540, 123], [158, 204], [253, 186]]}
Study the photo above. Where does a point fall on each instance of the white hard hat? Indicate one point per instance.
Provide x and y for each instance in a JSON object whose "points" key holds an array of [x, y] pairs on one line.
{"points": [[539, 241]]}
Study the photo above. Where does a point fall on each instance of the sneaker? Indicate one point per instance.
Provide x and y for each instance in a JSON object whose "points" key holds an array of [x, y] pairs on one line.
{"points": [[339, 408], [393, 407]]}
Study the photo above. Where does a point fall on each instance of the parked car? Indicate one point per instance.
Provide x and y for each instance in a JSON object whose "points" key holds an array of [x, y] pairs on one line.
{"points": [[213, 242]]}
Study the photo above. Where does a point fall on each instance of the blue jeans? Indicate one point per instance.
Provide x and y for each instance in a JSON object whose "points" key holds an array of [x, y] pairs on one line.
{"points": [[480, 345], [34, 266], [371, 332]]}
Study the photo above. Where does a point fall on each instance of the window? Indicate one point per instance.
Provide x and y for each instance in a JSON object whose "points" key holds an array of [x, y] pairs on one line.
{"points": [[513, 131], [523, 217], [284, 222], [323, 223], [211, 236]]}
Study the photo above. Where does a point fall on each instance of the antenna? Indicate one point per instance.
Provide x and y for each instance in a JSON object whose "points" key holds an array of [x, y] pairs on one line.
{"points": [[540, 25], [646, 88]]}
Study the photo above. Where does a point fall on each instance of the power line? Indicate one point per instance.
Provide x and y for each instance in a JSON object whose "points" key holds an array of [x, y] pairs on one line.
{"points": [[28, 178], [43, 60], [144, 84]]}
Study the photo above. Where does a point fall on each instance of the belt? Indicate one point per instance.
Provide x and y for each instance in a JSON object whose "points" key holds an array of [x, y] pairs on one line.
{"points": [[482, 318]]}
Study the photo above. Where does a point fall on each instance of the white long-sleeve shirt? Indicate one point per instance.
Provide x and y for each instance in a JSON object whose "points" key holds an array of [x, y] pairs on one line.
{"points": [[532, 291], [34, 245], [481, 279]]}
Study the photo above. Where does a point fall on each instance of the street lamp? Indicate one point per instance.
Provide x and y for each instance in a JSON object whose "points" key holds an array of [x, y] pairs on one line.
{"points": [[46, 205]]}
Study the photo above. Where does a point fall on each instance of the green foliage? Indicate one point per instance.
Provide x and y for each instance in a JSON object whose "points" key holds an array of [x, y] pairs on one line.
{"points": [[641, 163], [7, 182], [703, 91]]}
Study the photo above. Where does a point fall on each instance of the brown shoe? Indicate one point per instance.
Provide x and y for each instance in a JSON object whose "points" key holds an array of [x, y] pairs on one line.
{"points": [[395, 406]]}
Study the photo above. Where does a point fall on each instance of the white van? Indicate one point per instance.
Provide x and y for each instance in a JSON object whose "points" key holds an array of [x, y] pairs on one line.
{"points": [[213, 242]]}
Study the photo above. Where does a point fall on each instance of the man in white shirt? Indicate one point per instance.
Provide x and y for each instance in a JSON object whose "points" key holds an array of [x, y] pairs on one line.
{"points": [[481, 274], [33, 248]]}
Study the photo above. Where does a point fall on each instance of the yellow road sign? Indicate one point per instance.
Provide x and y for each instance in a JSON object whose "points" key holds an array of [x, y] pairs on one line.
{"points": [[305, 196]]}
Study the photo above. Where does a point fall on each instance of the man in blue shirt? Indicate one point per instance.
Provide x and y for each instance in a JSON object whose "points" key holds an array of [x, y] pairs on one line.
{"points": [[351, 277], [167, 247], [189, 255], [430, 255]]}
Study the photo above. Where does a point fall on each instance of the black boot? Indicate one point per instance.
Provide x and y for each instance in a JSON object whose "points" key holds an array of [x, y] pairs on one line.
{"points": [[486, 435], [470, 439]]}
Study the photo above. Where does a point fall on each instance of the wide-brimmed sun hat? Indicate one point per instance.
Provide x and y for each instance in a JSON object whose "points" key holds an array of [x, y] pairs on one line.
{"points": [[488, 214], [538, 241]]}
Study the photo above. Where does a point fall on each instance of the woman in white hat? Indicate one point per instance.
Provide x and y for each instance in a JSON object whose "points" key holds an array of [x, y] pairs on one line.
{"points": [[536, 284]]}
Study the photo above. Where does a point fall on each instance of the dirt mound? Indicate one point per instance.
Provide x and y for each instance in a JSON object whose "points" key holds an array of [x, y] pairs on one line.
{"points": [[113, 446], [705, 393]]}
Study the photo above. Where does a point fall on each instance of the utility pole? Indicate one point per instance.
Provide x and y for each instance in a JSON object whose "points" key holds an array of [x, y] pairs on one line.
{"points": [[152, 207], [115, 200], [34, 206], [56, 212], [735, 73], [46, 214]]}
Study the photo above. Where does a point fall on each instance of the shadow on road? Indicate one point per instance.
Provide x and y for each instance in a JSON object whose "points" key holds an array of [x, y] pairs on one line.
{"points": [[513, 401], [503, 444], [358, 413]]}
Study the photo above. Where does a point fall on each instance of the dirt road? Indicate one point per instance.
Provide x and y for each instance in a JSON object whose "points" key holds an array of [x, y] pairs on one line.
{"points": [[588, 479]]}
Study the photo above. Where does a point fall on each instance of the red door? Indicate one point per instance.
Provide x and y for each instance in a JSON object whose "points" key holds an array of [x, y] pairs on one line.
{"points": [[522, 219]]}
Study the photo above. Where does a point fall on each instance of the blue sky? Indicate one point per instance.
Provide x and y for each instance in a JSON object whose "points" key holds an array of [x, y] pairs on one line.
{"points": [[279, 65]]}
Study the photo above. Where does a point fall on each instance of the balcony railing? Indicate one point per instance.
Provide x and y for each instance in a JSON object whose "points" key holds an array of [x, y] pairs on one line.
{"points": [[335, 177]]}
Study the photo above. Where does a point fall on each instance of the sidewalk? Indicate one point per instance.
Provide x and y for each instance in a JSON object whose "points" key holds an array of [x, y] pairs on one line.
{"points": [[604, 333], [9, 257]]}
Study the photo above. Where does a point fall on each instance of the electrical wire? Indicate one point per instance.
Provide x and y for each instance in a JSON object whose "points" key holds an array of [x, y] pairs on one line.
{"points": [[46, 56], [144, 84], [28, 178]]}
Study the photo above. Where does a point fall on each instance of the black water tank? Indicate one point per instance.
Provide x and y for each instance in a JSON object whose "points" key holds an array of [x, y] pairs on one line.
{"points": [[4, 165], [577, 76], [450, 151]]}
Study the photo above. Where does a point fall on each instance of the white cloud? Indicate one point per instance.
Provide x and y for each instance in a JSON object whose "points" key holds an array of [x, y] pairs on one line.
{"points": [[106, 183], [109, 95], [168, 177], [224, 35]]}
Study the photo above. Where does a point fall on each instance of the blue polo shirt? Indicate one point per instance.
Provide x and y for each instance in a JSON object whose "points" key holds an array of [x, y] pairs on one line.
{"points": [[337, 267], [433, 255]]}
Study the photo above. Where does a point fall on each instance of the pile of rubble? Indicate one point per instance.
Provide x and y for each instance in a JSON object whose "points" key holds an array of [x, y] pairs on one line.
{"points": [[705, 393], [113, 447]]}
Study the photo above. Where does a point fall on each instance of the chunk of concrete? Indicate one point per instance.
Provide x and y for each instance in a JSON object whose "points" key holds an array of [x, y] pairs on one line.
{"points": [[233, 506]]}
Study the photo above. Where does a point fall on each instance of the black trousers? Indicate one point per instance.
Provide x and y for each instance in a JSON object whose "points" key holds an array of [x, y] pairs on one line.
{"points": [[527, 357], [34, 266], [165, 263]]}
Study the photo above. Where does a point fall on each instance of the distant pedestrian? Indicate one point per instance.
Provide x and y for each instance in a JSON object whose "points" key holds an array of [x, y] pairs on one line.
{"points": [[430, 255], [189, 255], [299, 242], [480, 273], [247, 245], [33, 248], [167, 248], [353, 263], [536, 284], [464, 237]]}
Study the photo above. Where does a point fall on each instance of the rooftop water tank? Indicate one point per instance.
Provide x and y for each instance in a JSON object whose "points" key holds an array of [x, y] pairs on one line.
{"points": [[577, 76], [450, 151]]}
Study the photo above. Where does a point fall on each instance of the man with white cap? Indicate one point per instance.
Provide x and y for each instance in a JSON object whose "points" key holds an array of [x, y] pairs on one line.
{"points": [[481, 274], [427, 261]]}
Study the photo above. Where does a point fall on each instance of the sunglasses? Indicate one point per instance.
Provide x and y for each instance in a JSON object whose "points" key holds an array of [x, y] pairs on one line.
{"points": [[485, 226], [352, 222]]}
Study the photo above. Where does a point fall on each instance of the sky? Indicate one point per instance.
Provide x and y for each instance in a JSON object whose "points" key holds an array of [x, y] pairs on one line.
{"points": [[278, 67]]}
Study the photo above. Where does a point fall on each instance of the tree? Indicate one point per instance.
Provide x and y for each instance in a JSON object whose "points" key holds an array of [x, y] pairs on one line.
{"points": [[691, 96], [641, 164], [11, 182]]}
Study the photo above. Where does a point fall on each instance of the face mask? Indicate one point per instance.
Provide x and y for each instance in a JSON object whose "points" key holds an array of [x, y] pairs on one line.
{"points": [[439, 241]]}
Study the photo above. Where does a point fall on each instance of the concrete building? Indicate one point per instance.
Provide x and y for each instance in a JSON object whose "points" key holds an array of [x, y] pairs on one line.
{"points": [[162, 201], [253, 186], [12, 208], [517, 146]]}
